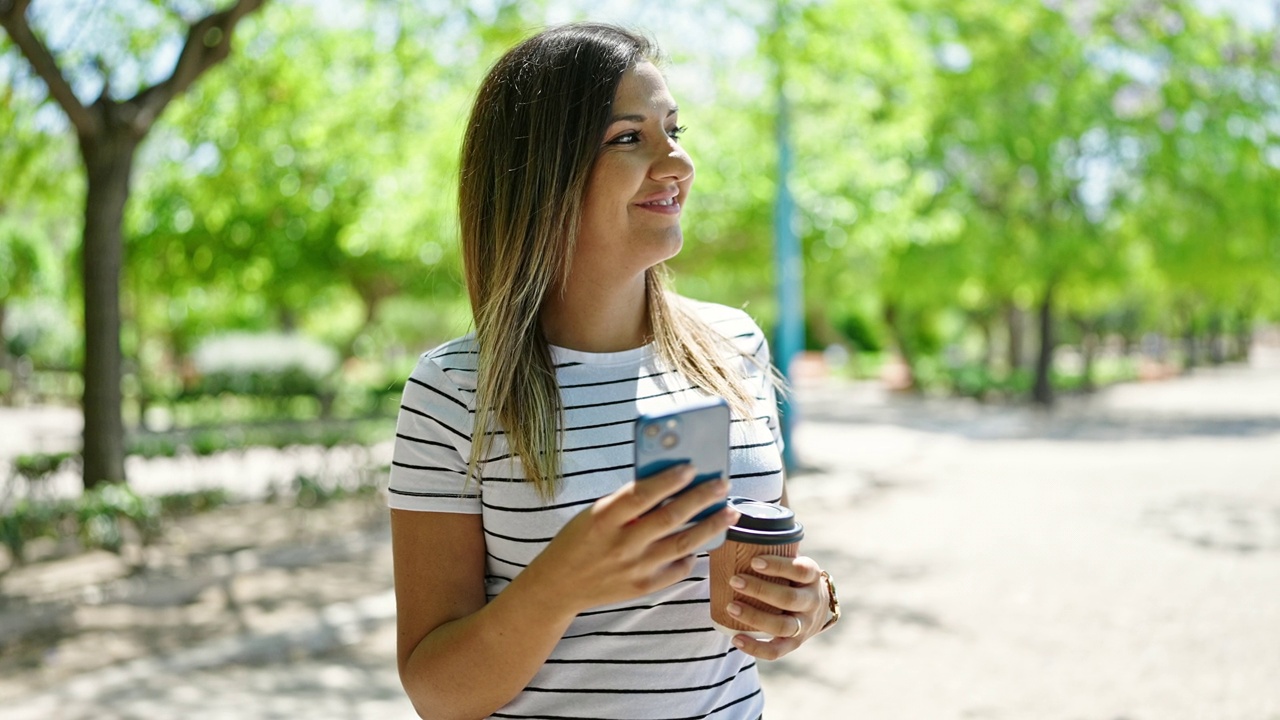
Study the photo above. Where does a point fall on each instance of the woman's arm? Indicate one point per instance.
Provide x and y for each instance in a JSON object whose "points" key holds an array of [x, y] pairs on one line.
{"points": [[462, 658], [458, 657]]}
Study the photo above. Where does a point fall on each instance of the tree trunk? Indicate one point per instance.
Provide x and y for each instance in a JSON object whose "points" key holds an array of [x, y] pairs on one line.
{"points": [[894, 320], [1042, 391], [6, 365], [1189, 360], [109, 133], [988, 344], [1014, 317], [1244, 336], [1088, 350], [1217, 354], [108, 162]]}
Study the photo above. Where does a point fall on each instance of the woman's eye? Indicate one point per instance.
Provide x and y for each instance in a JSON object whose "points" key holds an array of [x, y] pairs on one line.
{"points": [[676, 132], [627, 138]]}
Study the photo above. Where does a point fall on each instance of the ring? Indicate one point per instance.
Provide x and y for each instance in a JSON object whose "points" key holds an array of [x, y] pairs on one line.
{"points": [[799, 627]]}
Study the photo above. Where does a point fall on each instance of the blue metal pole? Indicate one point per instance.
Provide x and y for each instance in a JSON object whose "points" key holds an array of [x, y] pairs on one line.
{"points": [[789, 261]]}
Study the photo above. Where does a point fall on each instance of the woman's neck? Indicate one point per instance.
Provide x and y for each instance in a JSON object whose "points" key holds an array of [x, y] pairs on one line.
{"points": [[593, 318]]}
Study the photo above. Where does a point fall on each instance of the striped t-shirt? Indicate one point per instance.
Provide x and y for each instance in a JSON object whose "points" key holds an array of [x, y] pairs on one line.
{"points": [[655, 657]]}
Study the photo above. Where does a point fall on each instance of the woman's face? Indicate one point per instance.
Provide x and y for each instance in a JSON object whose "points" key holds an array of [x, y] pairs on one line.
{"points": [[638, 186]]}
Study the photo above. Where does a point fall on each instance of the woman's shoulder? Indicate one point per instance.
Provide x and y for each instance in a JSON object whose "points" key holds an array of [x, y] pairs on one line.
{"points": [[450, 366], [733, 323], [458, 350]]}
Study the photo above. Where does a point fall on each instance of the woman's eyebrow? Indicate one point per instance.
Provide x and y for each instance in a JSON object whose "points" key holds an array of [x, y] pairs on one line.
{"points": [[639, 118]]}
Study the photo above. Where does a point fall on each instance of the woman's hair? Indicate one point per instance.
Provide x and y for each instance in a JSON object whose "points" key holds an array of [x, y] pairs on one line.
{"points": [[535, 130]]}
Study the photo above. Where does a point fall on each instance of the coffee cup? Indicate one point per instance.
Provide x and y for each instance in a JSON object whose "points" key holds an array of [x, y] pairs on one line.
{"points": [[762, 528]]}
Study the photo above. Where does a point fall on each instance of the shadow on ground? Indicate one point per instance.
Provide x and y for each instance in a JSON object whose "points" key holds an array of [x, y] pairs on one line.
{"points": [[1073, 421]]}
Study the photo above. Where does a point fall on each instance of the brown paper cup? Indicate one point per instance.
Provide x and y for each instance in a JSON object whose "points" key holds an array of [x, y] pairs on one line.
{"points": [[762, 529]]}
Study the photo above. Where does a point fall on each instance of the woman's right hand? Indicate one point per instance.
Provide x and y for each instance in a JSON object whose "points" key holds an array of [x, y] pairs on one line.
{"points": [[625, 544]]}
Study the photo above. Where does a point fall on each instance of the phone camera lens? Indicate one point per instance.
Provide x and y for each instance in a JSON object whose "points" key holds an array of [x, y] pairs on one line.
{"points": [[651, 431], [670, 440]]}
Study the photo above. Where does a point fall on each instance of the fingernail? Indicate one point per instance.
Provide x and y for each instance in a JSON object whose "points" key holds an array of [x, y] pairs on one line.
{"points": [[734, 609], [739, 642], [737, 583], [759, 564]]}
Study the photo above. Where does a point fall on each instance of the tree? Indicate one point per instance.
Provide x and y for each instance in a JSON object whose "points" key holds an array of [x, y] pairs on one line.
{"points": [[1204, 114], [109, 131], [1024, 116], [303, 189], [33, 165]]}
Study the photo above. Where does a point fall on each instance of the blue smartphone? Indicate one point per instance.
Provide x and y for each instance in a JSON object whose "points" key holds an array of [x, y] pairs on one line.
{"points": [[697, 433]]}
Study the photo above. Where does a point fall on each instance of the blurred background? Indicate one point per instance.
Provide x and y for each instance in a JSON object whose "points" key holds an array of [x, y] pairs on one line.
{"points": [[992, 238]]}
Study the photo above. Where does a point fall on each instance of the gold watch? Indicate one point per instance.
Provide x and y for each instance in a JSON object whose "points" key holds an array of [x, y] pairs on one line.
{"points": [[833, 606]]}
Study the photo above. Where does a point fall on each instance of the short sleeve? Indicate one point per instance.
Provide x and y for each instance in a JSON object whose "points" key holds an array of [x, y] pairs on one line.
{"points": [[433, 442], [762, 384]]}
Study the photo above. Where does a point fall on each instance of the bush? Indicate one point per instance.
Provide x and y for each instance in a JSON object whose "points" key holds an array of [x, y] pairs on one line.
{"points": [[41, 330], [38, 466], [101, 512], [192, 503], [312, 492], [267, 365], [98, 519], [860, 332], [28, 520]]}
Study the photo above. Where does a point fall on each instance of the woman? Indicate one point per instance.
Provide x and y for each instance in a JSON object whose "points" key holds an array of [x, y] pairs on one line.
{"points": [[532, 580]]}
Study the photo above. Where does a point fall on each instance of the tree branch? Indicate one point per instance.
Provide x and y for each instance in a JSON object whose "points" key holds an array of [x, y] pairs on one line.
{"points": [[208, 43], [13, 17]]}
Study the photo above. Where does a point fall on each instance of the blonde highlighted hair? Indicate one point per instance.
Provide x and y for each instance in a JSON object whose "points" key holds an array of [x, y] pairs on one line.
{"points": [[534, 132]]}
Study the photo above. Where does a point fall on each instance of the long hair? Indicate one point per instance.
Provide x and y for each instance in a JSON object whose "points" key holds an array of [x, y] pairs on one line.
{"points": [[532, 139]]}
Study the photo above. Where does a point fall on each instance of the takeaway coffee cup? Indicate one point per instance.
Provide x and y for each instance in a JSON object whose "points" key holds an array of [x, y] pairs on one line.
{"points": [[762, 529]]}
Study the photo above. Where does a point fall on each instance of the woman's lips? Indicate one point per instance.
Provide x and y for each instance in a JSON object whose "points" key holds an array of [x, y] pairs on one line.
{"points": [[666, 206]]}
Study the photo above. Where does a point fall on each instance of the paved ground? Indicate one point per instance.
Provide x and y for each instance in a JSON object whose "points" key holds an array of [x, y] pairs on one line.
{"points": [[1117, 559]]}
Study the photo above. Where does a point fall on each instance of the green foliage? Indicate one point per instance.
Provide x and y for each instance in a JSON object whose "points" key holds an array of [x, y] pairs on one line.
{"points": [[312, 492], [954, 160], [98, 519], [263, 365], [101, 518], [29, 520], [296, 192], [860, 332], [35, 467], [101, 514], [175, 505]]}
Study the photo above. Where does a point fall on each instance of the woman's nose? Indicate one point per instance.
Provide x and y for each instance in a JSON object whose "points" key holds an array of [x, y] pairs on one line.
{"points": [[674, 164]]}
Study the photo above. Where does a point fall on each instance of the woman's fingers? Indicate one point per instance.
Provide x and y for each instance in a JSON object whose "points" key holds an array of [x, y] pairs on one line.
{"points": [[687, 541], [640, 496], [791, 586], [798, 570], [670, 516], [782, 626], [766, 649]]}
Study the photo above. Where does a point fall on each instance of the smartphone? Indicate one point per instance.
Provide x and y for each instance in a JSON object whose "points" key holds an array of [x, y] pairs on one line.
{"points": [[697, 433]]}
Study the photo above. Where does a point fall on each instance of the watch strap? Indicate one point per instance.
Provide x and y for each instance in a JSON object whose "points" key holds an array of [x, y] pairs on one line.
{"points": [[833, 605]]}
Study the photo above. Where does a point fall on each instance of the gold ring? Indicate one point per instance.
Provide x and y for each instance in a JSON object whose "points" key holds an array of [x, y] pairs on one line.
{"points": [[799, 627]]}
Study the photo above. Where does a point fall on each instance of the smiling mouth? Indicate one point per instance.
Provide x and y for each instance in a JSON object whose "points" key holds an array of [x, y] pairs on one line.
{"points": [[660, 203]]}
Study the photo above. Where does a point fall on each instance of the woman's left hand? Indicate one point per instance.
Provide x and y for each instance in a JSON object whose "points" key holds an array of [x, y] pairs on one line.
{"points": [[797, 590]]}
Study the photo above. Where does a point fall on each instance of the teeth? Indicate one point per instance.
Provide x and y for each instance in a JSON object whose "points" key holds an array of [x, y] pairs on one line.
{"points": [[668, 201]]}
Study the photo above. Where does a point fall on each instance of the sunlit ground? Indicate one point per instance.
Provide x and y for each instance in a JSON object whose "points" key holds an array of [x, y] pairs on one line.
{"points": [[1112, 559]]}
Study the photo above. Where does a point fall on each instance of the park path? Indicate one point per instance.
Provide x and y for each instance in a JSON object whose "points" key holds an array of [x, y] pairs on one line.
{"points": [[1118, 558]]}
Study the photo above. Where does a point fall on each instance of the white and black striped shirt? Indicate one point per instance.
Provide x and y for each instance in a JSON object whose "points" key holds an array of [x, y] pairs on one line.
{"points": [[652, 658]]}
